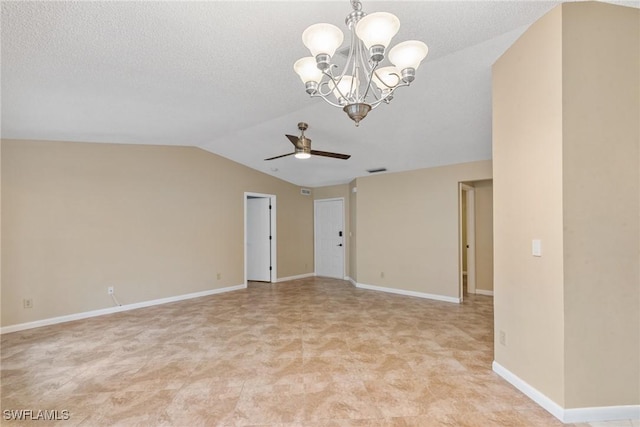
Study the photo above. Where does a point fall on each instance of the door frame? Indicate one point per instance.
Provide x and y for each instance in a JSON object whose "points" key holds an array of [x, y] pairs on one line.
{"points": [[470, 220], [274, 234], [344, 235]]}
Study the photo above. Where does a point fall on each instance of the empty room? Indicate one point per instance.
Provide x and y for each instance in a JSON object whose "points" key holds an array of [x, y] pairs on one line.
{"points": [[320, 213]]}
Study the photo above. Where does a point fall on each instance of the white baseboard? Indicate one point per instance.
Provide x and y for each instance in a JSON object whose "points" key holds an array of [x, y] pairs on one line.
{"points": [[117, 309], [602, 413], [484, 292], [552, 407], [573, 415], [407, 293], [353, 282], [299, 276]]}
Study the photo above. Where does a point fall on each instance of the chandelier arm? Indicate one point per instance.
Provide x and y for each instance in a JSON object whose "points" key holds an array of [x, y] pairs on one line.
{"points": [[350, 55], [393, 89], [375, 104], [354, 88], [369, 80], [331, 77], [401, 84], [379, 101], [364, 61], [378, 98], [329, 74], [367, 66], [319, 95], [353, 66], [336, 87], [328, 90]]}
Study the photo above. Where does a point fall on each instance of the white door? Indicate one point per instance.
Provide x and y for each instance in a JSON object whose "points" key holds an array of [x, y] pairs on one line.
{"points": [[467, 240], [258, 239], [471, 240], [329, 237]]}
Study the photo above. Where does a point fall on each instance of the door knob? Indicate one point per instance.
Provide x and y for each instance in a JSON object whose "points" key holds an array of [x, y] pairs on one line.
{"points": [[340, 244]]}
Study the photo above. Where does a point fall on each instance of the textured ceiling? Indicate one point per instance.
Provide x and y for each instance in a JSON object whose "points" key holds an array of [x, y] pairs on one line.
{"points": [[218, 75]]}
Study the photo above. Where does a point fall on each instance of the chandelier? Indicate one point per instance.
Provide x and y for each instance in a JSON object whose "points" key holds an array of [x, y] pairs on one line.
{"points": [[363, 84]]}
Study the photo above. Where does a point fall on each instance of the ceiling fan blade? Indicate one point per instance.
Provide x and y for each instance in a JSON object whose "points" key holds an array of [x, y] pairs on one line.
{"points": [[283, 155], [328, 154], [294, 140]]}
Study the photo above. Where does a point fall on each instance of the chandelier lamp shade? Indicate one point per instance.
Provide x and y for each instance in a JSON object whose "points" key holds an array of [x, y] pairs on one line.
{"points": [[364, 82]]}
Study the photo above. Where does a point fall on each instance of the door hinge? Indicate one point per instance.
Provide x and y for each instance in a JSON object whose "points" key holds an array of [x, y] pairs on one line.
{"points": [[269, 207], [269, 237], [270, 268]]}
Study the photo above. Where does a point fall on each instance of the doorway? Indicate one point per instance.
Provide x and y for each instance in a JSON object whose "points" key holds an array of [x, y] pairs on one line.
{"points": [[467, 240], [329, 246], [476, 238], [259, 237]]}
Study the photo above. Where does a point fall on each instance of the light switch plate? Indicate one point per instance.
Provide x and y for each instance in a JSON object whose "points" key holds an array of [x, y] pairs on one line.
{"points": [[536, 247]]}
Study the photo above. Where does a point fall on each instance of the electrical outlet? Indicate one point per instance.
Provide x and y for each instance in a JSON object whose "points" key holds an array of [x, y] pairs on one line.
{"points": [[110, 290], [382, 274], [503, 338], [27, 303], [219, 276]]}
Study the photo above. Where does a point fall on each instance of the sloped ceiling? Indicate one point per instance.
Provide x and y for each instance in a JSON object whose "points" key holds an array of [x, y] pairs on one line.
{"points": [[218, 75]]}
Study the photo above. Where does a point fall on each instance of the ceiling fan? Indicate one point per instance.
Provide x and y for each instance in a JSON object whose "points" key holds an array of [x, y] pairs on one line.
{"points": [[303, 149]]}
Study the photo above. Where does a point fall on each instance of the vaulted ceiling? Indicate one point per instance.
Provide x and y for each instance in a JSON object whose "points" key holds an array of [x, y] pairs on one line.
{"points": [[218, 75]]}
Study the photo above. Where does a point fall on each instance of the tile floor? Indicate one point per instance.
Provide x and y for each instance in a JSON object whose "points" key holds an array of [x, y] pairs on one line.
{"points": [[312, 352]]}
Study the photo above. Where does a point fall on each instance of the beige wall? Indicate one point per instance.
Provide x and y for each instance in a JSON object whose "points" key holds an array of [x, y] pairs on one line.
{"points": [[408, 228], [484, 234], [152, 221], [601, 134], [566, 109], [335, 192], [527, 191]]}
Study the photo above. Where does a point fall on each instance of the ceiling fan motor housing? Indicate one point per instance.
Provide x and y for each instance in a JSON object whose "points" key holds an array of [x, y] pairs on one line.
{"points": [[304, 145]]}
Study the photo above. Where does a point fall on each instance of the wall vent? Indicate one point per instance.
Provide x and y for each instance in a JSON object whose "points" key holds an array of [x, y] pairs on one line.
{"points": [[376, 170], [305, 191]]}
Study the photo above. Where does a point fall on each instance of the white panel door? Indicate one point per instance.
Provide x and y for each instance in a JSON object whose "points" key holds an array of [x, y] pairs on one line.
{"points": [[258, 239], [329, 238]]}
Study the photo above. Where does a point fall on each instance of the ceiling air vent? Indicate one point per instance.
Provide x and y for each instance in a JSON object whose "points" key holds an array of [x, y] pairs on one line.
{"points": [[305, 191], [376, 170], [343, 52]]}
